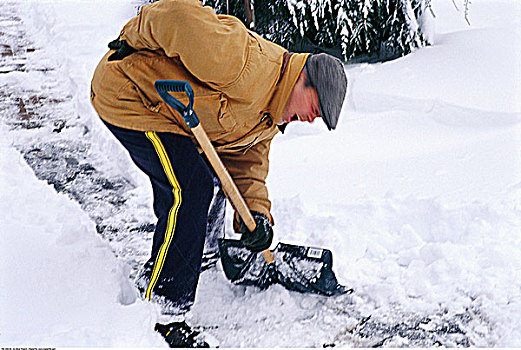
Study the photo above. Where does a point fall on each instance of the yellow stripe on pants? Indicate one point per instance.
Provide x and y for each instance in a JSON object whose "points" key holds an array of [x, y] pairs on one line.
{"points": [[172, 215]]}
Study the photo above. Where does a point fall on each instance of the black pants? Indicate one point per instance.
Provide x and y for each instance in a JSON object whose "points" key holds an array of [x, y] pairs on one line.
{"points": [[183, 187]]}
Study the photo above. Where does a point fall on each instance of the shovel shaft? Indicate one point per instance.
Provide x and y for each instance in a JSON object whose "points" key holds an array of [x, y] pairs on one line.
{"points": [[229, 187]]}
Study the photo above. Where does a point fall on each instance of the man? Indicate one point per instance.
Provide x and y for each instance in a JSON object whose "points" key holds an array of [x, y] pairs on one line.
{"points": [[246, 89]]}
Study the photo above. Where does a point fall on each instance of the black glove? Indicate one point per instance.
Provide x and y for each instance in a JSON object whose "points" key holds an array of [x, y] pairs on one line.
{"points": [[122, 49], [260, 239]]}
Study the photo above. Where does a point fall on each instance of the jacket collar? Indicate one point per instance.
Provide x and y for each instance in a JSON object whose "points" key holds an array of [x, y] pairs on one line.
{"points": [[290, 71]]}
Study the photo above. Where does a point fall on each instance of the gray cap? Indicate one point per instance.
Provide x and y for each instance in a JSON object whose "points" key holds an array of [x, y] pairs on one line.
{"points": [[326, 74]]}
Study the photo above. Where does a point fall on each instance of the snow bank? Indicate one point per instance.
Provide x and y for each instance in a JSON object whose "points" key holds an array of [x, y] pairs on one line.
{"points": [[417, 191], [62, 285]]}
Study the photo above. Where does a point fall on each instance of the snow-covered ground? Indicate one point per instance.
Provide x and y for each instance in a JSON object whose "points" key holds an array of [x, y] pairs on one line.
{"points": [[417, 193]]}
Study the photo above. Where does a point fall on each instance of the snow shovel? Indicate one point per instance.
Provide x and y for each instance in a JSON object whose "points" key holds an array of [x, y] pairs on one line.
{"points": [[303, 269]]}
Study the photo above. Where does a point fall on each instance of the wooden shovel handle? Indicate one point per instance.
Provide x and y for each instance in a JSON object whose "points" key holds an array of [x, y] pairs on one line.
{"points": [[229, 187], [163, 87]]}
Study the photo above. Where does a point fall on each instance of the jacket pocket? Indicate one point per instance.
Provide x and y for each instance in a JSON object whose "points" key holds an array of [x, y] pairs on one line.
{"points": [[130, 92], [154, 107], [214, 114]]}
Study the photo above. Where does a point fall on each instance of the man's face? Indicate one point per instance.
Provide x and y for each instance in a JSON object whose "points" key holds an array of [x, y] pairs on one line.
{"points": [[302, 103]]}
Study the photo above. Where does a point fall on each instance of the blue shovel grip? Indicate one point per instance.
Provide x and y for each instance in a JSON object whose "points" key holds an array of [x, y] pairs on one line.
{"points": [[163, 87]]}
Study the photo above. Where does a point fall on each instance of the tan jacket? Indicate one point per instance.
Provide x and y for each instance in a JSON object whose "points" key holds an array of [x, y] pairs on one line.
{"points": [[235, 75]]}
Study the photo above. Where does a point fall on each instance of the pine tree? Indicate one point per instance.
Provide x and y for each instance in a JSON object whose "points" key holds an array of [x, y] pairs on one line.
{"points": [[348, 29]]}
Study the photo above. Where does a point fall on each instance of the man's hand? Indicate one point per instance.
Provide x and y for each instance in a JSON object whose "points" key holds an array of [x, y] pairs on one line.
{"points": [[260, 239]]}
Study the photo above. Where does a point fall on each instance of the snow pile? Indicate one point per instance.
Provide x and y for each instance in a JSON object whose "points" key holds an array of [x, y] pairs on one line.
{"points": [[417, 193], [62, 285]]}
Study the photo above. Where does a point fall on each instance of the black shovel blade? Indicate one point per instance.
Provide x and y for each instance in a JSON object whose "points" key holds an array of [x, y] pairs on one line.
{"points": [[241, 266], [297, 268]]}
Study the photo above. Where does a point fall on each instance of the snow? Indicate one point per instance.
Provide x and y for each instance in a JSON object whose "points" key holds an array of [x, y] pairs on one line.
{"points": [[417, 193], [62, 285]]}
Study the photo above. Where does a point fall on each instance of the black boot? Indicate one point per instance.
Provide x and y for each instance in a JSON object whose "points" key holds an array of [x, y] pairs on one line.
{"points": [[180, 335]]}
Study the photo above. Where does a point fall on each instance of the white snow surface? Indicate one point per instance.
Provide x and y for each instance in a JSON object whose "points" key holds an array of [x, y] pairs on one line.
{"points": [[417, 193], [61, 284]]}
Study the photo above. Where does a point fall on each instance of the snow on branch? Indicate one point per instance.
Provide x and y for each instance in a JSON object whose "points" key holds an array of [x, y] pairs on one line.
{"points": [[370, 29]]}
